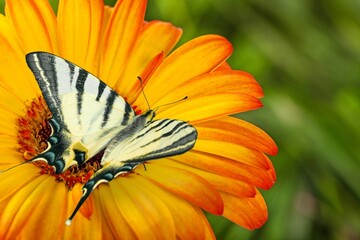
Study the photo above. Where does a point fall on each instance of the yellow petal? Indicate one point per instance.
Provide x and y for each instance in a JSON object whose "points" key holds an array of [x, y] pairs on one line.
{"points": [[209, 234], [146, 74], [8, 153], [232, 151], [88, 206], [19, 208], [123, 27], [221, 183], [35, 24], [111, 212], [107, 220], [108, 11], [214, 83], [226, 167], [14, 84], [14, 180], [205, 108], [106, 17], [194, 58], [128, 206], [7, 124], [106, 14], [194, 227], [80, 24], [185, 184], [250, 213], [155, 37], [223, 67], [17, 84], [151, 206], [234, 130], [81, 227], [46, 221]]}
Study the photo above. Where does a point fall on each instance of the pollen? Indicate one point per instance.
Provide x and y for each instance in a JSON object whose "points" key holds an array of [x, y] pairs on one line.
{"points": [[33, 132]]}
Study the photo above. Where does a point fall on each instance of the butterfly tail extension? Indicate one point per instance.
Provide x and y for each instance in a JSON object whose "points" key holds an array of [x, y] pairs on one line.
{"points": [[105, 175]]}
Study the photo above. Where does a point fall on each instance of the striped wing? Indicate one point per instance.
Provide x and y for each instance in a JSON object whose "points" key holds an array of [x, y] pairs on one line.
{"points": [[88, 112], [158, 139]]}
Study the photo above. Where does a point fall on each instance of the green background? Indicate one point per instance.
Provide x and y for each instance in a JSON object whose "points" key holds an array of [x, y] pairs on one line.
{"points": [[305, 54]]}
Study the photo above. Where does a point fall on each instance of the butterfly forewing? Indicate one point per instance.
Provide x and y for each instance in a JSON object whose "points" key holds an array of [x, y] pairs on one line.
{"points": [[89, 112], [69, 89]]}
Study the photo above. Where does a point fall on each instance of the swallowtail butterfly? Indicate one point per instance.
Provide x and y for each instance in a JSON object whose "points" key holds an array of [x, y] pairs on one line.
{"points": [[89, 117]]}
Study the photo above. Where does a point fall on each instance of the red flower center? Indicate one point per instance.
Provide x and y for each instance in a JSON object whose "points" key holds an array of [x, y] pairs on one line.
{"points": [[34, 130]]}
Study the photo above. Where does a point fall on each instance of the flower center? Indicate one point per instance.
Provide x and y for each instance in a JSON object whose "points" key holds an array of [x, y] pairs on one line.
{"points": [[34, 130]]}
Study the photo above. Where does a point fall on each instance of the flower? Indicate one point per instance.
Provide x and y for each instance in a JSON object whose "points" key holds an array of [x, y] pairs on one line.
{"points": [[220, 175]]}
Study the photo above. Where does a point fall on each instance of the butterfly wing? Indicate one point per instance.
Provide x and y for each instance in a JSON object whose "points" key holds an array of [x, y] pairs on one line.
{"points": [[87, 112], [158, 139]]}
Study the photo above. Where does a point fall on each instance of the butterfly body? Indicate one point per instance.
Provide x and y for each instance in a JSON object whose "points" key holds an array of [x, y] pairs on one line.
{"points": [[89, 117]]}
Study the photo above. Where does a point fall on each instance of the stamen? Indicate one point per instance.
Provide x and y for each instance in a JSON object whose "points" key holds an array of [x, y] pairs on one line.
{"points": [[34, 130]]}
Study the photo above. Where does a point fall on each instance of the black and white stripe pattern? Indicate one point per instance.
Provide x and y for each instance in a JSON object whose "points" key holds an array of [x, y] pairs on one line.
{"points": [[94, 117], [160, 138], [60, 80], [135, 145], [87, 110], [81, 103]]}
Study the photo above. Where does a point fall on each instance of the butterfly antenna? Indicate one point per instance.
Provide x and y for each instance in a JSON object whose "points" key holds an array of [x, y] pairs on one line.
{"points": [[14, 166], [142, 90], [166, 104]]}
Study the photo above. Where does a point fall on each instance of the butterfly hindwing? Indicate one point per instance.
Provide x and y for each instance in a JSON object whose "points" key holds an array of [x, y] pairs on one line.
{"points": [[159, 138], [88, 112], [137, 144]]}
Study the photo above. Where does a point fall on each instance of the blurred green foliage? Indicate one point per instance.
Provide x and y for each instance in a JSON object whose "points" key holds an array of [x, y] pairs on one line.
{"points": [[306, 55]]}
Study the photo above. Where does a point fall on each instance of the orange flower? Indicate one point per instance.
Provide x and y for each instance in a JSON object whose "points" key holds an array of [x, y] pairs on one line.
{"points": [[220, 175]]}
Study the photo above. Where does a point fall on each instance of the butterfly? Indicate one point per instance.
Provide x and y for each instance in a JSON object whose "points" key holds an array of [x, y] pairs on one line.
{"points": [[89, 117]]}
